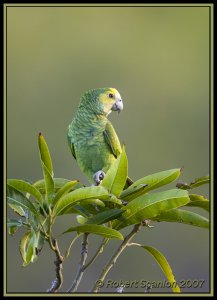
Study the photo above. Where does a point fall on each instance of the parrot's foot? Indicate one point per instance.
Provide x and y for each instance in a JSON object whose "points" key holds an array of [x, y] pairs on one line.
{"points": [[98, 177]]}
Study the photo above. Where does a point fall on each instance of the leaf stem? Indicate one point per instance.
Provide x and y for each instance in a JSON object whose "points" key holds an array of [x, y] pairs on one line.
{"points": [[80, 272], [113, 259], [70, 246], [99, 250], [43, 231], [134, 244]]}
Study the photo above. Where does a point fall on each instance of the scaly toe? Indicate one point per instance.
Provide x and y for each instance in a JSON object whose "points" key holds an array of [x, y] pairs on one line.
{"points": [[98, 177]]}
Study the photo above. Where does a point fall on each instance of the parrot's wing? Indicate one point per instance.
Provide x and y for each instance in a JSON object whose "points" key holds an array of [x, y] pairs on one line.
{"points": [[114, 144], [71, 144], [112, 140]]}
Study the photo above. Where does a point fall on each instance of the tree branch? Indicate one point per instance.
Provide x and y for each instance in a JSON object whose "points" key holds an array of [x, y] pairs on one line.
{"points": [[112, 261], [100, 249], [80, 272], [57, 282]]}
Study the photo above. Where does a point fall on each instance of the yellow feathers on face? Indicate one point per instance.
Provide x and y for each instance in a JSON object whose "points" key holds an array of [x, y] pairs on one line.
{"points": [[109, 98]]}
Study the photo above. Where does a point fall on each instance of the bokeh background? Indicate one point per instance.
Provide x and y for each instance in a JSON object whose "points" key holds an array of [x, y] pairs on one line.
{"points": [[158, 59]]}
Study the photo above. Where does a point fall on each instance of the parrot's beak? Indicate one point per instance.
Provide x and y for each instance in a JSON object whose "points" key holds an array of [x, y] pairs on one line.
{"points": [[118, 106]]}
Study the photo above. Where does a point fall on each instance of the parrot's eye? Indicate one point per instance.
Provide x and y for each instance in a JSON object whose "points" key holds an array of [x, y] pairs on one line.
{"points": [[111, 95]]}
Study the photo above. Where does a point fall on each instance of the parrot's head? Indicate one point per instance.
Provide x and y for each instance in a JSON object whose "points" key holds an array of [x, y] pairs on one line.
{"points": [[102, 101]]}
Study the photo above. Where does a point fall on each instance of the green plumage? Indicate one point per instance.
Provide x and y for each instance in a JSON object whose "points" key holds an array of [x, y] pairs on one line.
{"points": [[91, 136]]}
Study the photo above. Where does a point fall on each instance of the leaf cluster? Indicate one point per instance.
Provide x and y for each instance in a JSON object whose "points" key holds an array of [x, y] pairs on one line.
{"points": [[103, 210]]}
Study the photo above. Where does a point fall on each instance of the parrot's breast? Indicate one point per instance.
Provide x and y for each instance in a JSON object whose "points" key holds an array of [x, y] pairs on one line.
{"points": [[91, 150]]}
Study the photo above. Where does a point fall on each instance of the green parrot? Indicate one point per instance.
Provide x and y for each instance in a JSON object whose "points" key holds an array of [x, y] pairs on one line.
{"points": [[91, 136]]}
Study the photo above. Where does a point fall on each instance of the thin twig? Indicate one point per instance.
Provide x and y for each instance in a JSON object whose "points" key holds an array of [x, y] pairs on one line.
{"points": [[57, 282], [43, 231], [80, 272], [100, 249], [70, 246], [112, 261]]}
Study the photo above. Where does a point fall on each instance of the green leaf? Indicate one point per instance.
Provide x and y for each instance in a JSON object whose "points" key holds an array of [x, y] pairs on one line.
{"points": [[81, 219], [47, 167], [49, 183], [11, 192], [97, 229], [85, 210], [152, 181], [18, 199], [30, 253], [14, 222], [27, 247], [58, 184], [45, 154], [69, 210], [13, 225], [64, 190], [194, 184], [195, 197], [115, 178], [198, 201], [18, 209], [95, 201], [39, 243], [80, 195], [134, 192], [183, 216], [82, 209], [164, 265], [105, 216], [23, 244], [200, 181], [113, 199], [24, 186], [31, 246], [151, 205]]}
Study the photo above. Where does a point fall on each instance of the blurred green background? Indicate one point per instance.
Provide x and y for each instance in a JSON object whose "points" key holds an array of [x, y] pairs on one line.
{"points": [[158, 59]]}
